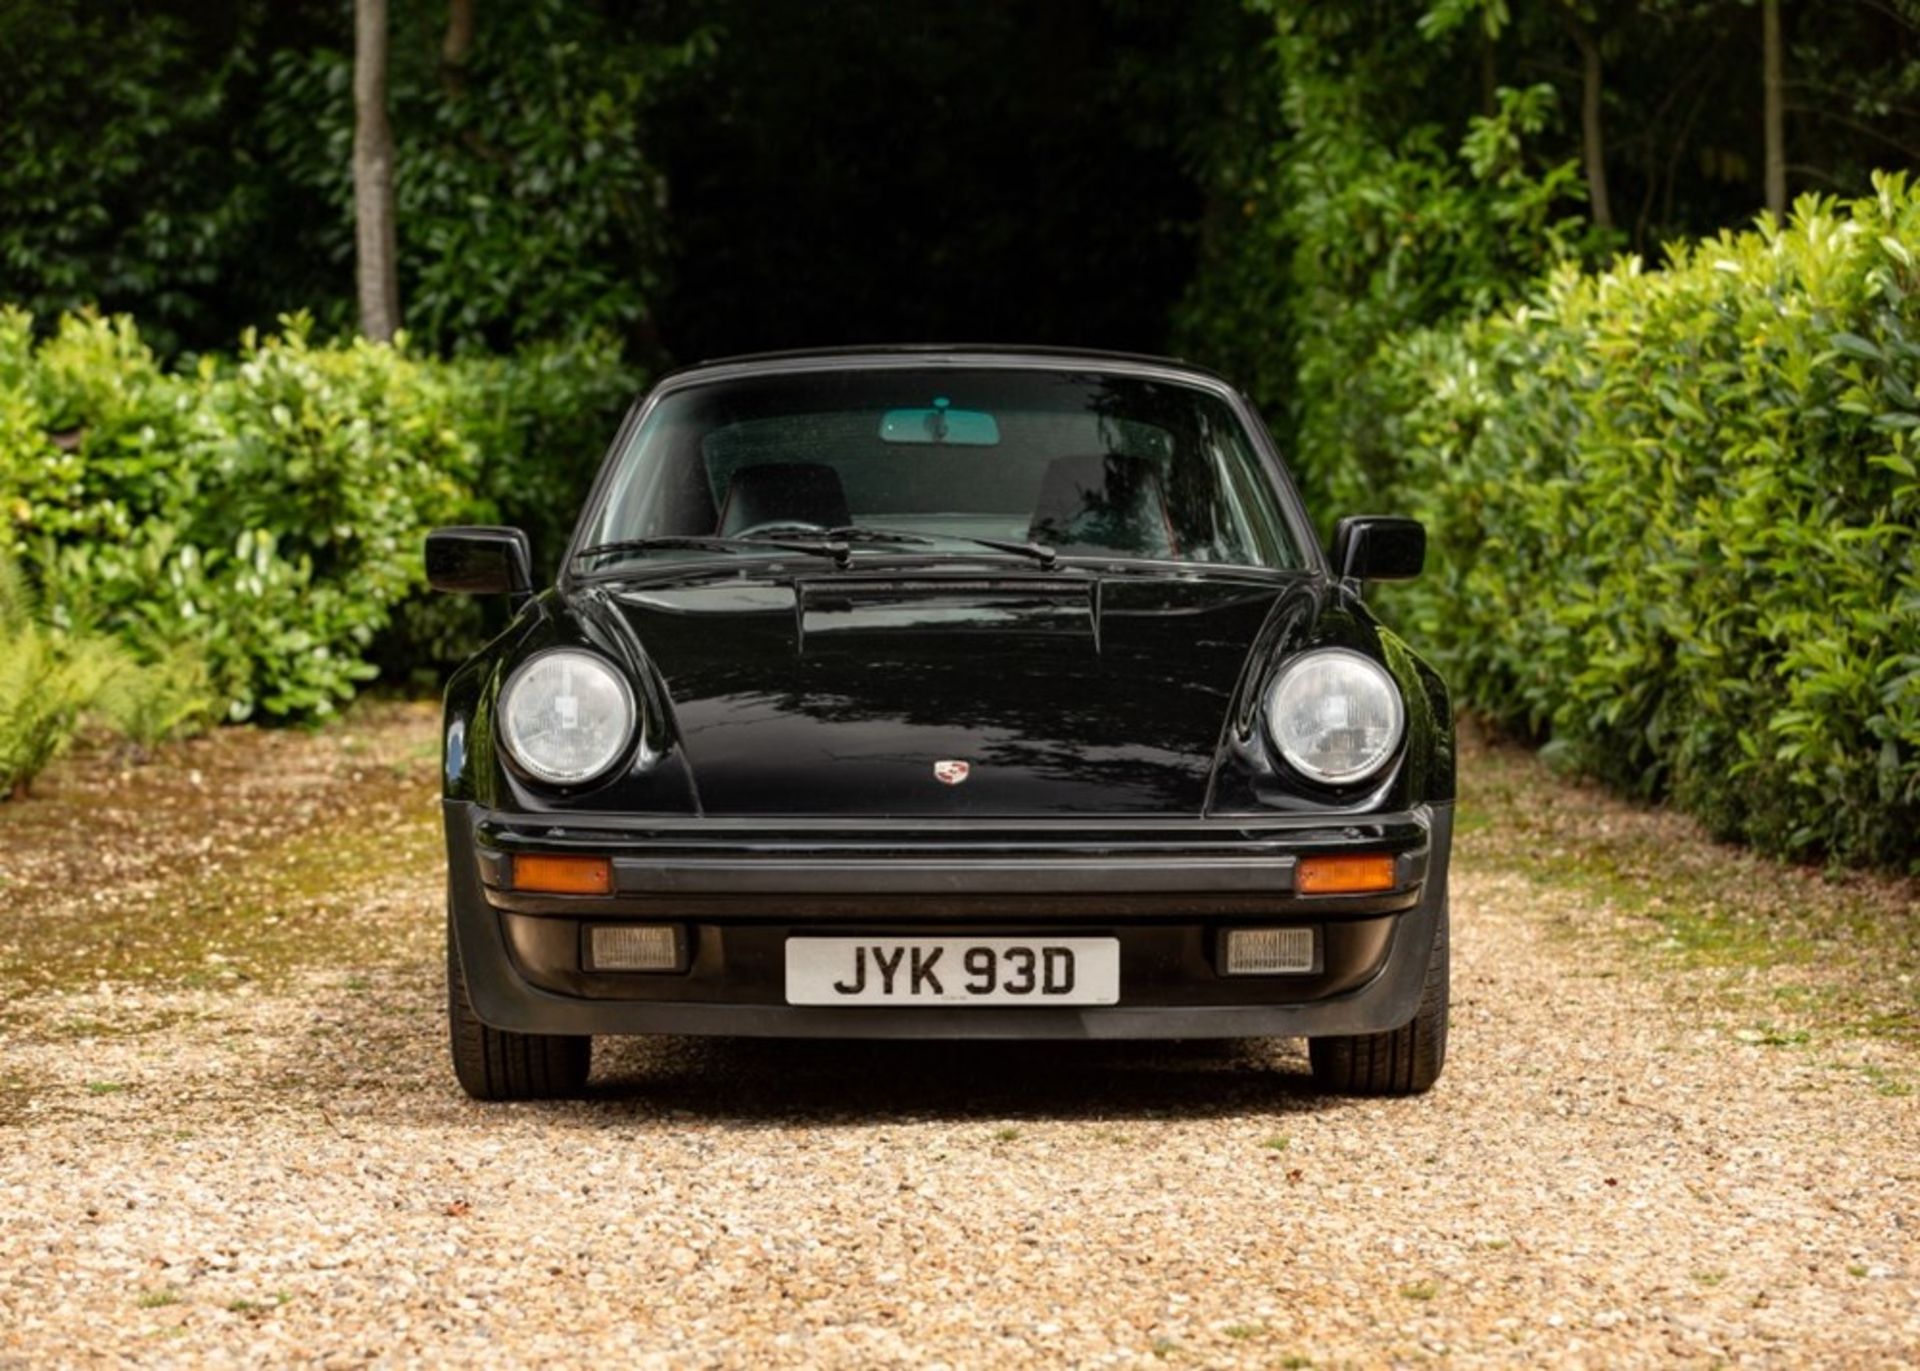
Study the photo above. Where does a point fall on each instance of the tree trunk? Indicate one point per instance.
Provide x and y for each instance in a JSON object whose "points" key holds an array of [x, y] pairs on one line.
{"points": [[374, 234], [1489, 75], [457, 46], [1775, 108], [1593, 142]]}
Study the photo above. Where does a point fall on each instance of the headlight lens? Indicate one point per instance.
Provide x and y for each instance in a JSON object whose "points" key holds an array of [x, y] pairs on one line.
{"points": [[566, 716], [1335, 716]]}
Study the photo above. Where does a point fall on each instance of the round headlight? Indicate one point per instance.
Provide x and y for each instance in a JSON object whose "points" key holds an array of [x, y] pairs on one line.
{"points": [[566, 716], [1335, 716]]}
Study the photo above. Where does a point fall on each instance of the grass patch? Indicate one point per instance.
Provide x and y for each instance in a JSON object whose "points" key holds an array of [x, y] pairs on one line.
{"points": [[104, 1087], [1279, 1142], [1419, 1290], [1885, 1083], [1005, 1135], [158, 1299], [280, 1297], [87, 1028], [290, 888], [1828, 948]]}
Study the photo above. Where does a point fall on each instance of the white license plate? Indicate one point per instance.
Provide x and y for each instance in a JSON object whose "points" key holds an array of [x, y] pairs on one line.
{"points": [[953, 971]]}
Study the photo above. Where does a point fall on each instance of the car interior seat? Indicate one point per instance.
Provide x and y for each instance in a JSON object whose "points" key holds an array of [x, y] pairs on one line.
{"points": [[784, 493], [1103, 502]]}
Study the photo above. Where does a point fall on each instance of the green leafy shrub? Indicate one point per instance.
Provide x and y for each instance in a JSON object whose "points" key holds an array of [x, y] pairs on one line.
{"points": [[266, 511], [1372, 215], [154, 702], [47, 681], [539, 422], [543, 419], [1673, 516]]}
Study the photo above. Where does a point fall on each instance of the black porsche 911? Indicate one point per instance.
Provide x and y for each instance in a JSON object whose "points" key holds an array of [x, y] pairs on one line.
{"points": [[945, 692]]}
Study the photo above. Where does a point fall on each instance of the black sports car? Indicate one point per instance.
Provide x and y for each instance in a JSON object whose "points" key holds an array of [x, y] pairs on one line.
{"points": [[945, 692]]}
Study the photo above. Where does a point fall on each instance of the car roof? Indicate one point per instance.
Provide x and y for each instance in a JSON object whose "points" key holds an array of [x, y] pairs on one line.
{"points": [[1037, 355]]}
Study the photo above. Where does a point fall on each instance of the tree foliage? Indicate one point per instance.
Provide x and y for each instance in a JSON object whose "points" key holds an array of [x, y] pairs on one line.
{"points": [[1426, 162], [529, 205], [1672, 507], [1672, 510], [868, 171], [190, 163], [117, 183]]}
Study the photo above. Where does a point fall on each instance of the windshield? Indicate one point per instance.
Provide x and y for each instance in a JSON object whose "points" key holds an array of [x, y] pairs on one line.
{"points": [[990, 462]]}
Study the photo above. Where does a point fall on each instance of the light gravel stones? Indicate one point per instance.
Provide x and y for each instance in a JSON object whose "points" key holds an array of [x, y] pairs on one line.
{"points": [[282, 1170]]}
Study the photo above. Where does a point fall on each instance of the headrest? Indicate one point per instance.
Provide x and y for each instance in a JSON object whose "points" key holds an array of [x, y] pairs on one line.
{"points": [[1103, 503], [784, 492]]}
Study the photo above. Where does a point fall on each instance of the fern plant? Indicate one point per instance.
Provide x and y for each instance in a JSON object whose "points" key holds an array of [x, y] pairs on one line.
{"points": [[47, 681], [170, 696]]}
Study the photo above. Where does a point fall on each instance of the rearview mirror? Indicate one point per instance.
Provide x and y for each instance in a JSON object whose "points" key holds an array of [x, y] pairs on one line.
{"points": [[1378, 547], [942, 425], [480, 560]]}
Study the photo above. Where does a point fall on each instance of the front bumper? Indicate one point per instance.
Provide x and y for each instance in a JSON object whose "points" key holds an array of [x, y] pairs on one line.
{"points": [[740, 889]]}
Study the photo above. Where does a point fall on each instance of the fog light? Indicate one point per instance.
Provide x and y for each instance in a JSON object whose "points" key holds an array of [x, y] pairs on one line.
{"points": [[554, 875], [1271, 952], [1345, 875], [627, 947]]}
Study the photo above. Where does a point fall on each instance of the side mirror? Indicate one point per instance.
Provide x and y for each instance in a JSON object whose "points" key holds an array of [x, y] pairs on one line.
{"points": [[480, 560], [1378, 547]]}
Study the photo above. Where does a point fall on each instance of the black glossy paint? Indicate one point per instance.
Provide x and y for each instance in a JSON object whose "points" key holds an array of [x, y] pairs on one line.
{"points": [[480, 559], [785, 693], [775, 687], [1373, 547], [1064, 694], [782, 779]]}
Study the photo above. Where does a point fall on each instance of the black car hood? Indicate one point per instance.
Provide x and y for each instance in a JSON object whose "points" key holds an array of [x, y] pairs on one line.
{"points": [[1062, 692]]}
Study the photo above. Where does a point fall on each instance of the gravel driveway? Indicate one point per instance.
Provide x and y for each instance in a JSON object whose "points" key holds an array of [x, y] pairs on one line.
{"points": [[265, 1158]]}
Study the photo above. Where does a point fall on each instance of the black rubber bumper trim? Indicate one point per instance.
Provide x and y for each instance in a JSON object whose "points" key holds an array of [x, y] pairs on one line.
{"points": [[503, 999], [906, 876], [1032, 859]]}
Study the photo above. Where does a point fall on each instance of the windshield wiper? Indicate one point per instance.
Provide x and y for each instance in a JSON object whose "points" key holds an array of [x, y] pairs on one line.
{"points": [[836, 549], [1040, 552], [865, 533], [847, 533], [833, 542]]}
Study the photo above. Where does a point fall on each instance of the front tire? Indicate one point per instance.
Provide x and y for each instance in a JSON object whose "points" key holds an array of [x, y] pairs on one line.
{"points": [[494, 1064], [1402, 1061]]}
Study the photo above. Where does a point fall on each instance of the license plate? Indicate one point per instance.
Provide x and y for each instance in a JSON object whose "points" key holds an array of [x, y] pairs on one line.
{"points": [[953, 971]]}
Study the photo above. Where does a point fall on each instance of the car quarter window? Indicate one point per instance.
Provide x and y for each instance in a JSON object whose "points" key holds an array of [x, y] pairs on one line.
{"points": [[1091, 464]]}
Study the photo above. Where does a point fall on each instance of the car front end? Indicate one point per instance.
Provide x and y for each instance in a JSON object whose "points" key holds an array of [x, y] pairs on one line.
{"points": [[1071, 774]]}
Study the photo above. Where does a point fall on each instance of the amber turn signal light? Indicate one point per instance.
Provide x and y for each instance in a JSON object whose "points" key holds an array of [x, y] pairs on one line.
{"points": [[1344, 875], [563, 875]]}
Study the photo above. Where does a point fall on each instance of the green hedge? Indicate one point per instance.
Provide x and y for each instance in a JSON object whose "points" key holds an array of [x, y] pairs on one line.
{"points": [[1673, 516], [266, 510]]}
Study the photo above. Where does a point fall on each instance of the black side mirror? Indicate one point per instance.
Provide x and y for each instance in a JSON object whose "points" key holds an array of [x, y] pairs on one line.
{"points": [[480, 560], [1378, 547]]}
